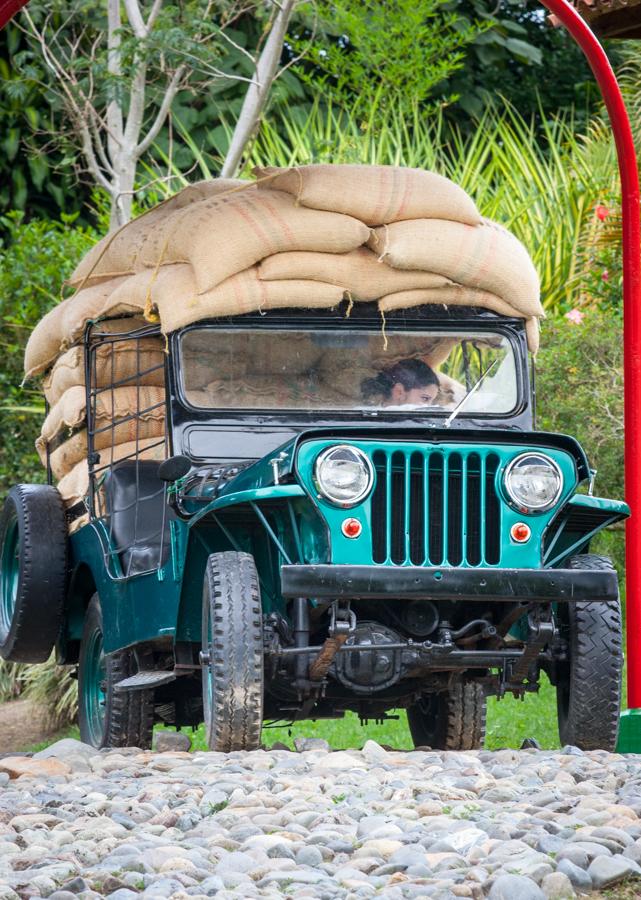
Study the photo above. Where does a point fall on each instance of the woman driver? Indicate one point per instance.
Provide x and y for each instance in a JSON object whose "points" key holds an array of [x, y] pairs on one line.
{"points": [[409, 382]]}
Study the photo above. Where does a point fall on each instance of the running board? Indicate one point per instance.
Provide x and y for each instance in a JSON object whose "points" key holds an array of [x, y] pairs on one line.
{"points": [[145, 680]]}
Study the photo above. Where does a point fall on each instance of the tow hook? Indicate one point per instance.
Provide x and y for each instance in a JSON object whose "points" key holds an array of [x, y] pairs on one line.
{"points": [[342, 623], [541, 632]]}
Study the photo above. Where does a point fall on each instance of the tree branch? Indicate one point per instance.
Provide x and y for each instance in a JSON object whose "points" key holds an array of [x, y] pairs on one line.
{"points": [[134, 15], [153, 15], [92, 162], [163, 112], [114, 67], [136, 108], [258, 92]]}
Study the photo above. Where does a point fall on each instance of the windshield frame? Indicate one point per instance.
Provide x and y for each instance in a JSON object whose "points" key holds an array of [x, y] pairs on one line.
{"points": [[280, 320]]}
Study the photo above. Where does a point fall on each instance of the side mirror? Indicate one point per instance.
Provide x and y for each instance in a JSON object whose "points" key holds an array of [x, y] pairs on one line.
{"points": [[174, 468]]}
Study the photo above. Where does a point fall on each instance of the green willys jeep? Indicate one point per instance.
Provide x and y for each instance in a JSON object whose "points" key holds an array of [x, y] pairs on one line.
{"points": [[338, 517]]}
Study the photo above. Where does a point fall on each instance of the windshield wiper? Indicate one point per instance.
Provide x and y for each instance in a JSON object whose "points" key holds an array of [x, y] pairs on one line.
{"points": [[471, 391]]}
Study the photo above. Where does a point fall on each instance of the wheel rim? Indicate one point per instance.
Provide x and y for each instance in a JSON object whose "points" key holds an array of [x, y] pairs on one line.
{"points": [[207, 672], [94, 697], [10, 577]]}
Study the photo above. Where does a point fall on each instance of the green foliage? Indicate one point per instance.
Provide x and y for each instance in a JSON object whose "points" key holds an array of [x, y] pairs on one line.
{"points": [[11, 681], [540, 70], [379, 57], [580, 392], [52, 688], [33, 175], [49, 686], [34, 261]]}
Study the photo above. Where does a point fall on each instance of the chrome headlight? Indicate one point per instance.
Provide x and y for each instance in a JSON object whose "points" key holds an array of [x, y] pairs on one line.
{"points": [[343, 475], [533, 482]]}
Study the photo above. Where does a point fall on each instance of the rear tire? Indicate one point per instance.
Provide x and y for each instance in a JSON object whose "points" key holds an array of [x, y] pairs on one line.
{"points": [[108, 718], [588, 693], [232, 640], [33, 572], [452, 720]]}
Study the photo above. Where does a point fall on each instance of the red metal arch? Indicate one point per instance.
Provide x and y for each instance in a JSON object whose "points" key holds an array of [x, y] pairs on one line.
{"points": [[630, 737], [8, 9]]}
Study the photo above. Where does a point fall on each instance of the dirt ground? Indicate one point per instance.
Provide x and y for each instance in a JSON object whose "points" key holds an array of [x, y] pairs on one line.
{"points": [[21, 726]]}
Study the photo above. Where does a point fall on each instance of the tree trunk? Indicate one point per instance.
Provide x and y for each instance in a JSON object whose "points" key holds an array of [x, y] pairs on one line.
{"points": [[123, 191], [258, 91]]}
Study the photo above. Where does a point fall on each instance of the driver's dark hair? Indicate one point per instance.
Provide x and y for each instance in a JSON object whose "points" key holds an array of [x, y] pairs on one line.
{"points": [[411, 373]]}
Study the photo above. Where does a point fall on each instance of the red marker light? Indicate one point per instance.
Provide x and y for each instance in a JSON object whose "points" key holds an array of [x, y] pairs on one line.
{"points": [[520, 532], [351, 528]]}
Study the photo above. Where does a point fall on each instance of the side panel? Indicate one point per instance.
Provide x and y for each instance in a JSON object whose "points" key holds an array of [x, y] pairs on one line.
{"points": [[139, 608]]}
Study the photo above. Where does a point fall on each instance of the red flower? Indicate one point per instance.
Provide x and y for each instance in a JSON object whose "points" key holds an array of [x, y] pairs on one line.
{"points": [[605, 275], [602, 212]]}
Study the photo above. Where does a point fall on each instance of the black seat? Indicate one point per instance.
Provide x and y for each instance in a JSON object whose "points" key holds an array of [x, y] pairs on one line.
{"points": [[137, 515]]}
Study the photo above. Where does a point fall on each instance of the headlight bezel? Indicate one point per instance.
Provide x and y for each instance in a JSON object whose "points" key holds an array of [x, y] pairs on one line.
{"points": [[321, 490], [518, 504]]}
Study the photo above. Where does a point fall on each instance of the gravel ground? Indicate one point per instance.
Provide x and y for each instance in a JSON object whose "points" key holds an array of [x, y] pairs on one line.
{"points": [[508, 825]]}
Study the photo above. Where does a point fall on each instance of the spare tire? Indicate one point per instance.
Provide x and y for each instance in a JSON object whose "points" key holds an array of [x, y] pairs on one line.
{"points": [[33, 572]]}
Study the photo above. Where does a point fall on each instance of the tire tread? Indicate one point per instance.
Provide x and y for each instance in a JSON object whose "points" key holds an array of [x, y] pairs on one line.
{"points": [[589, 710], [232, 595]]}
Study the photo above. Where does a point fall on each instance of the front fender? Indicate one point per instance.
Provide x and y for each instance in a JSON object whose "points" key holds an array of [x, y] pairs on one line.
{"points": [[577, 523]]}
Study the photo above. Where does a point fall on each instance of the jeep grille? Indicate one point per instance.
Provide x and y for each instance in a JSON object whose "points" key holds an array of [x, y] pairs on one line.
{"points": [[432, 508]]}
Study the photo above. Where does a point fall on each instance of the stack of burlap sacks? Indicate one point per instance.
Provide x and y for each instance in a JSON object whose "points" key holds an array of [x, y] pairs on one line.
{"points": [[304, 237]]}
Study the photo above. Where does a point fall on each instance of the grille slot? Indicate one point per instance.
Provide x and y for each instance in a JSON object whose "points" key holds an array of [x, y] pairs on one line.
{"points": [[436, 508]]}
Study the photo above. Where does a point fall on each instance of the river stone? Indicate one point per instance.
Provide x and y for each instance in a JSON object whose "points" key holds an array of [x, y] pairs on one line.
{"points": [[575, 854], [515, 887], [557, 886], [608, 870], [171, 741], [579, 877], [309, 856], [15, 766], [76, 885], [67, 747], [304, 744]]}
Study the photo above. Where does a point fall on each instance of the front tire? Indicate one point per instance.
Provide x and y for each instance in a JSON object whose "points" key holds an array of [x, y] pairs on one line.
{"points": [[588, 693], [452, 720], [108, 718], [232, 641]]}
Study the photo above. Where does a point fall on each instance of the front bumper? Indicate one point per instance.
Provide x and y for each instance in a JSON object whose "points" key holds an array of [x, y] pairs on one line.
{"points": [[415, 582]]}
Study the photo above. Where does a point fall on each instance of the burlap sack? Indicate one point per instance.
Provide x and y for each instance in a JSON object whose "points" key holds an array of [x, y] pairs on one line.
{"points": [[116, 412], [450, 392], [168, 285], [118, 252], [457, 295], [359, 272], [274, 392], [381, 353], [73, 487], [69, 412], [374, 194], [65, 323], [243, 293], [114, 362], [484, 256], [220, 238], [206, 355], [65, 457], [533, 333]]}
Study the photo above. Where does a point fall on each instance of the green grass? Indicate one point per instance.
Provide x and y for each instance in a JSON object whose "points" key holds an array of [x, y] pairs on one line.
{"points": [[509, 722]]}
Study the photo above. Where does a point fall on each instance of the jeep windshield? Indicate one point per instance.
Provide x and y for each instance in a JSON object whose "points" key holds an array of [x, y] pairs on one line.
{"points": [[336, 369]]}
